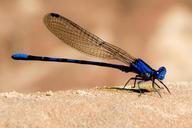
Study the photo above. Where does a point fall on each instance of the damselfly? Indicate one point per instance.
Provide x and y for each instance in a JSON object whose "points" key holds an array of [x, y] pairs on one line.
{"points": [[84, 41]]}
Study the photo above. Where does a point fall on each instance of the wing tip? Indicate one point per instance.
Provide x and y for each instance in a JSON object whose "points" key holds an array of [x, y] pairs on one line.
{"points": [[54, 14], [51, 15]]}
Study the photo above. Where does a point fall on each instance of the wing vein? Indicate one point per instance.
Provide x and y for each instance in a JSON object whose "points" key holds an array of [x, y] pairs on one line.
{"points": [[84, 41]]}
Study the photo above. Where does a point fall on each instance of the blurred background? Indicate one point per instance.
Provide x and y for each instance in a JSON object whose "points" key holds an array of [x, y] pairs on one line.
{"points": [[158, 31]]}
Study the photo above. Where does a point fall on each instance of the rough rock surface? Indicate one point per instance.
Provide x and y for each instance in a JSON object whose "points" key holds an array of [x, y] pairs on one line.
{"points": [[98, 107]]}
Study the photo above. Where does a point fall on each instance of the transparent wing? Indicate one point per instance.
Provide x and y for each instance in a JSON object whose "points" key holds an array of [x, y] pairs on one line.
{"points": [[82, 40]]}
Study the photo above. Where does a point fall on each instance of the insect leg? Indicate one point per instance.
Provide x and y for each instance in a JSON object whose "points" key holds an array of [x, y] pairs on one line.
{"points": [[133, 78], [158, 85], [138, 83], [153, 85], [165, 86]]}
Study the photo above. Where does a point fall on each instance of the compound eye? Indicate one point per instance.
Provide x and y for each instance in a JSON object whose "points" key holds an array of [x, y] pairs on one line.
{"points": [[160, 74]]}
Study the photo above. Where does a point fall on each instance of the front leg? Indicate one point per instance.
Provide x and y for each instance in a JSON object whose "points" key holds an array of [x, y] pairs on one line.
{"points": [[164, 86], [153, 85]]}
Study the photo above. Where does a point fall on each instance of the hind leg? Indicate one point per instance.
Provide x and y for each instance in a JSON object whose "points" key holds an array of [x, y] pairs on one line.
{"points": [[133, 78]]}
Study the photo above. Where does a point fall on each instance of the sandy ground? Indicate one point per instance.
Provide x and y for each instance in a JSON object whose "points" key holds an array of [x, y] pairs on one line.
{"points": [[98, 107]]}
